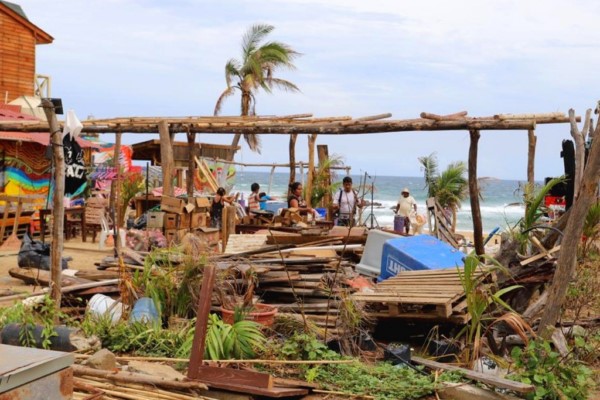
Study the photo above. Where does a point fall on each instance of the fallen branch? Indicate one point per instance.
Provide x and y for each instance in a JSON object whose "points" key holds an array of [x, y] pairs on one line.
{"points": [[167, 359], [131, 377]]}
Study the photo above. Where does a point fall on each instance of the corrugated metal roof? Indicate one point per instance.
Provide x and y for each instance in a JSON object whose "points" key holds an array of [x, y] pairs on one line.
{"points": [[10, 112]]}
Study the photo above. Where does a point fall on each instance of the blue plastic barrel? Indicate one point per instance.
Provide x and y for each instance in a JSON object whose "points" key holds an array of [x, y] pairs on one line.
{"points": [[144, 311]]}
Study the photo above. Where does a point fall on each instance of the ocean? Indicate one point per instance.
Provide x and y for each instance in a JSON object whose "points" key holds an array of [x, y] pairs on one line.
{"points": [[501, 202]]}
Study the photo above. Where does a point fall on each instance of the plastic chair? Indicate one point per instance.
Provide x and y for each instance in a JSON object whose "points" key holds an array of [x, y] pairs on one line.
{"points": [[107, 231]]}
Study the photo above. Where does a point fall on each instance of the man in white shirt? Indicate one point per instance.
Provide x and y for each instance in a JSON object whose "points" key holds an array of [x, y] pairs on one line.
{"points": [[406, 205], [345, 203]]}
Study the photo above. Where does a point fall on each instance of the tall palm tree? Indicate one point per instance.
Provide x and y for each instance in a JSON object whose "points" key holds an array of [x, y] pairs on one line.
{"points": [[256, 71], [450, 187]]}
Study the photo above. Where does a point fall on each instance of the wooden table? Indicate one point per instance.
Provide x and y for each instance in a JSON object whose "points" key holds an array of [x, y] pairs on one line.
{"points": [[73, 212]]}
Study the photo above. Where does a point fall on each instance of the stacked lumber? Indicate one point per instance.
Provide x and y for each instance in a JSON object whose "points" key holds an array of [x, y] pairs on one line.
{"points": [[427, 294]]}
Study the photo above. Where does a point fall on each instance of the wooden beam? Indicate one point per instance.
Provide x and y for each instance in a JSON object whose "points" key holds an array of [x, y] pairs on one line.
{"points": [[532, 140]]}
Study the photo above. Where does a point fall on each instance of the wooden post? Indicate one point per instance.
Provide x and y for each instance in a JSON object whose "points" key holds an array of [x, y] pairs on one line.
{"points": [[323, 154], [166, 158], [567, 260], [191, 172], [579, 138], [532, 140], [227, 224], [117, 195], [58, 209], [311, 167], [292, 151], [197, 354], [474, 193]]}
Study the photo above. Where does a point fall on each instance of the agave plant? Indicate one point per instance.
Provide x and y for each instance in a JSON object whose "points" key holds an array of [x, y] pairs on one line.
{"points": [[481, 299], [238, 341]]}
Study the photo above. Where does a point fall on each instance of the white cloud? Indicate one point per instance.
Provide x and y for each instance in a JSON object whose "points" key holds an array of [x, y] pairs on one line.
{"points": [[145, 57]]}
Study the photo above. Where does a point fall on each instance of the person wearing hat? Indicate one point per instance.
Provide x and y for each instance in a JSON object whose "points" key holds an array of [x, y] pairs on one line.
{"points": [[406, 205]]}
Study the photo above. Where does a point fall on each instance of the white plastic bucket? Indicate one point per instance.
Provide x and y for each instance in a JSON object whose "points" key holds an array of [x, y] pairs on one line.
{"points": [[100, 306]]}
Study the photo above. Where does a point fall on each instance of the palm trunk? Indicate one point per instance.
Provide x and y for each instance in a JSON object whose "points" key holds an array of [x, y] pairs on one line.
{"points": [[245, 111], [454, 218]]}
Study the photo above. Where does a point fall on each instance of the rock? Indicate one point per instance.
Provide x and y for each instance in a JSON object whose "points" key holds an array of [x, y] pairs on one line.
{"points": [[84, 344], [155, 369], [574, 331], [103, 359]]}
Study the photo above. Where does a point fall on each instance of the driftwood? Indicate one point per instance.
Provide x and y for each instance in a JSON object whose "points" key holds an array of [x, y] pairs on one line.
{"points": [[478, 376], [132, 377]]}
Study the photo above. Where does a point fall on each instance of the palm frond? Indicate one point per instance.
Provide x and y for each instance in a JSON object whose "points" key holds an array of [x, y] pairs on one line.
{"points": [[253, 140], [253, 37], [232, 70], [283, 85], [226, 93], [535, 200]]}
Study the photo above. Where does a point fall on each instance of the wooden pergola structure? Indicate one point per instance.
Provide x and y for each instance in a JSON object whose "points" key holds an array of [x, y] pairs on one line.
{"points": [[293, 125], [167, 127]]}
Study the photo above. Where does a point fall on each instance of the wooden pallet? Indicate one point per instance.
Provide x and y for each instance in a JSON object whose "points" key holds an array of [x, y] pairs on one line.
{"points": [[429, 294]]}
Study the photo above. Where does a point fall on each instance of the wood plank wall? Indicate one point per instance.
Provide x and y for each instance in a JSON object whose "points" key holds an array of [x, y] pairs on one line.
{"points": [[17, 59]]}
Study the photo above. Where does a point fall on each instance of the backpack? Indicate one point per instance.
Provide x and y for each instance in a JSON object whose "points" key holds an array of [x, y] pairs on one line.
{"points": [[340, 200]]}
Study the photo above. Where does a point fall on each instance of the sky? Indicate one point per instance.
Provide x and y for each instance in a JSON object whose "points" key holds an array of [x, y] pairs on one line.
{"points": [[125, 58]]}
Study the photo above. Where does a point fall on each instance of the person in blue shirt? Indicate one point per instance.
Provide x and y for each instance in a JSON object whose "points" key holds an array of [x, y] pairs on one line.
{"points": [[263, 198]]}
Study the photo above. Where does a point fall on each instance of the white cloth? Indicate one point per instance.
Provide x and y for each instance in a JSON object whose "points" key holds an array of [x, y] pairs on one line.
{"points": [[406, 205], [72, 125], [347, 203]]}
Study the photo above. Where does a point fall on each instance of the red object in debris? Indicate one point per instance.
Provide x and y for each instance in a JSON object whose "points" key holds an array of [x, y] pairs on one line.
{"points": [[360, 282], [557, 201]]}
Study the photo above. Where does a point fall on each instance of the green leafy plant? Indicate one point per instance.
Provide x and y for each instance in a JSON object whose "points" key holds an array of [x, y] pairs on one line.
{"points": [[534, 211], [450, 187], [322, 179], [379, 380], [481, 300], [554, 377], [131, 184], [591, 229], [43, 313], [237, 341], [141, 338]]}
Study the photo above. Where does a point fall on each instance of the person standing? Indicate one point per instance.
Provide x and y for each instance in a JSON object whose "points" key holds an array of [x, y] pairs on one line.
{"points": [[406, 205], [345, 204], [216, 207]]}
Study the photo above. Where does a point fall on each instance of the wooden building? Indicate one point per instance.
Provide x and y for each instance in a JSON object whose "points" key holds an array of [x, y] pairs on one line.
{"points": [[18, 38]]}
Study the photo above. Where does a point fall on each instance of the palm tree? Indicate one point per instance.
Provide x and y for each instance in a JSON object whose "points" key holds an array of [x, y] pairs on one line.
{"points": [[450, 187], [255, 71]]}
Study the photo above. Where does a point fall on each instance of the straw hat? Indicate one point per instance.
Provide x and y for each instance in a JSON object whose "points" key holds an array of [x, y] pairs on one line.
{"points": [[405, 190]]}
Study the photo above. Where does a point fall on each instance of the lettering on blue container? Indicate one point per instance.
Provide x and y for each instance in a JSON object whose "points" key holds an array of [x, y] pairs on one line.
{"points": [[394, 266]]}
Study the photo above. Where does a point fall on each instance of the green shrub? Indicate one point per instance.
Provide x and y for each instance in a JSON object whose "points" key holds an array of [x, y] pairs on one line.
{"points": [[555, 377]]}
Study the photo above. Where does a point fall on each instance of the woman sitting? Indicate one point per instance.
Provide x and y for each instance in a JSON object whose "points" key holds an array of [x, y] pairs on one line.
{"points": [[295, 200]]}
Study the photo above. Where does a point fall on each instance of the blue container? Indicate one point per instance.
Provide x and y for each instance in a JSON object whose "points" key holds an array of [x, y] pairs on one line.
{"points": [[274, 206], [420, 252], [399, 223], [144, 311], [322, 212]]}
